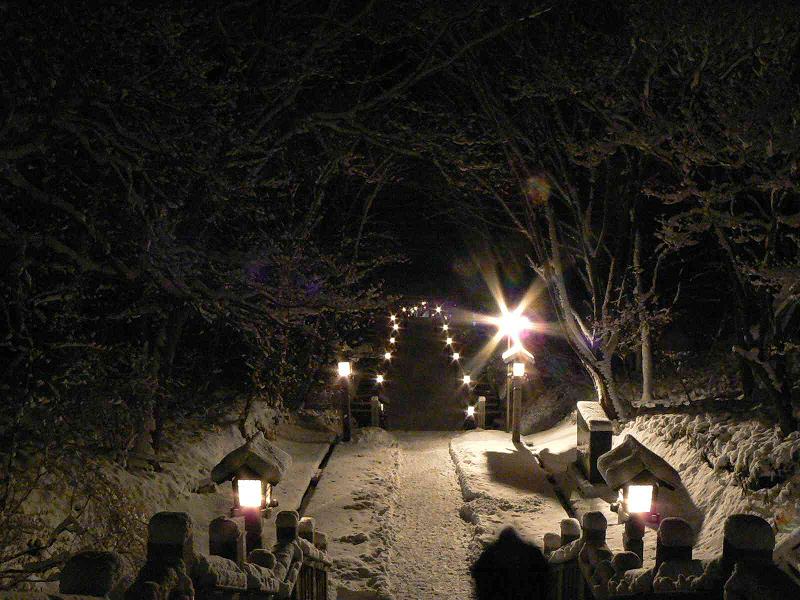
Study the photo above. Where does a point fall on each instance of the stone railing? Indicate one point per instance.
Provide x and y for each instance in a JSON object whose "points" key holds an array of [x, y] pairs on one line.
{"points": [[296, 567], [585, 568]]}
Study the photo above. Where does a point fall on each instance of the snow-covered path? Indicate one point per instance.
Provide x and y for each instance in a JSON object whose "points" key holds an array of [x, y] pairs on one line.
{"points": [[430, 554]]}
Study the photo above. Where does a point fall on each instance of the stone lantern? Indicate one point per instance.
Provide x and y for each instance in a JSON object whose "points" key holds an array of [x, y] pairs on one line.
{"points": [[253, 469], [637, 473]]}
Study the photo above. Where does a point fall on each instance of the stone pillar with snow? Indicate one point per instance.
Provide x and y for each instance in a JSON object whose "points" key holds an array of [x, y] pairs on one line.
{"points": [[594, 438]]}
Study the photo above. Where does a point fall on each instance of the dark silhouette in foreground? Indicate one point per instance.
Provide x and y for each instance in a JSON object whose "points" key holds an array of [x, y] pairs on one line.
{"points": [[510, 569]]}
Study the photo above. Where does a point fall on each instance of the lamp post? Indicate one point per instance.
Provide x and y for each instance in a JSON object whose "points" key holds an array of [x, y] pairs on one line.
{"points": [[345, 370], [511, 324], [516, 357]]}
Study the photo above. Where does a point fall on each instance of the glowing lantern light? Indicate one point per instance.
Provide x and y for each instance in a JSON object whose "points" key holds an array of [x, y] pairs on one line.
{"points": [[470, 411], [518, 369], [344, 369], [379, 379], [639, 499], [392, 318], [250, 493]]}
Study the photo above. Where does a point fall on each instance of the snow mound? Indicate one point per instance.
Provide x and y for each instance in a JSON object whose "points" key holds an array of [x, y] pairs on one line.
{"points": [[374, 436]]}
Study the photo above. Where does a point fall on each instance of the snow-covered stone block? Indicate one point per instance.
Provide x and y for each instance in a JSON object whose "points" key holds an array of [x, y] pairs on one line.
{"points": [[570, 530], [287, 523], [90, 573], [305, 528], [216, 571], [630, 460], [674, 532], [594, 416], [749, 532], [170, 538], [259, 456], [551, 542], [226, 538], [674, 540], [594, 436], [594, 525]]}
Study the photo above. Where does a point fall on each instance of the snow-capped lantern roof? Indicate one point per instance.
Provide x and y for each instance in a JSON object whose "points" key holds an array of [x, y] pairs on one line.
{"points": [[631, 462], [258, 457]]}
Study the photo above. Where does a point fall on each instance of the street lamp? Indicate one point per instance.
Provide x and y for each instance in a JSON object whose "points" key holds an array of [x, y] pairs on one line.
{"points": [[392, 340], [515, 357], [395, 327], [449, 341], [345, 370], [438, 310], [392, 318], [445, 327], [379, 379], [387, 356], [456, 356], [467, 379]]}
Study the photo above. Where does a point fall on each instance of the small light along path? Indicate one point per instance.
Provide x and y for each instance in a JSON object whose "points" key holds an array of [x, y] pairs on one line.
{"points": [[430, 557]]}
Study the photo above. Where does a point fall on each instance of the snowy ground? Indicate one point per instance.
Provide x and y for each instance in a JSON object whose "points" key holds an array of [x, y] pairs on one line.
{"points": [[354, 505], [503, 484], [430, 557]]}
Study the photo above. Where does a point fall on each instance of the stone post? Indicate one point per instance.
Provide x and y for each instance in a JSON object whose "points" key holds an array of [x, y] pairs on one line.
{"points": [[675, 540], [551, 543], [570, 531], [594, 527], [305, 529], [594, 438], [170, 539], [747, 539], [287, 524], [226, 539], [375, 411], [633, 536], [170, 557], [480, 413]]}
